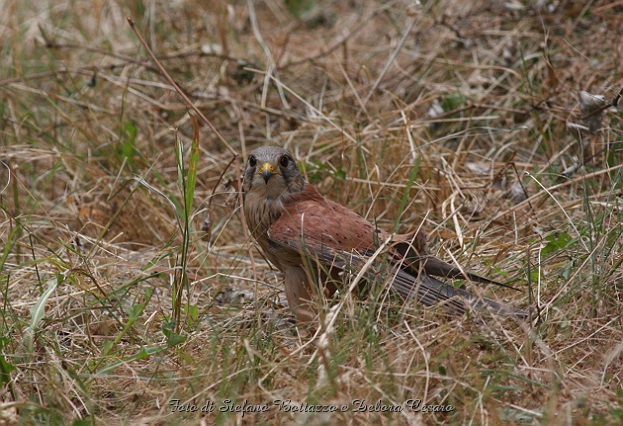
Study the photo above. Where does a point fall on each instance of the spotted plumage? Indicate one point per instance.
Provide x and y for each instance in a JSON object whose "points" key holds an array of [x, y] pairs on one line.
{"points": [[314, 240]]}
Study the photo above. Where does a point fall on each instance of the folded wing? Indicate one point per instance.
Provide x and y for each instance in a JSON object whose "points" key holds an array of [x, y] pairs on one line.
{"points": [[337, 239]]}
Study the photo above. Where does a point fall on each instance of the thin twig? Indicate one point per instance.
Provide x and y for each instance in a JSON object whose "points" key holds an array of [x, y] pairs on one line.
{"points": [[172, 82]]}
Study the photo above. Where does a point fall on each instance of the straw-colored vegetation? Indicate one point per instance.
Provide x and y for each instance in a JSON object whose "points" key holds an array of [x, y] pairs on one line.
{"points": [[126, 284]]}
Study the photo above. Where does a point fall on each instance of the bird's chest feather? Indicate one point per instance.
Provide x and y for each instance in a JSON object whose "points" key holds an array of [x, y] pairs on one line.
{"points": [[260, 213]]}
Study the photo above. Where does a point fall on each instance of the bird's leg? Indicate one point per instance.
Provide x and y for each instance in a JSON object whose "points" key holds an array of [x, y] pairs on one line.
{"points": [[299, 294]]}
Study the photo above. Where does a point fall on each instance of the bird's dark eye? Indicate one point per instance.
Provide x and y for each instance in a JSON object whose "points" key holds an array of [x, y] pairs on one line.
{"points": [[284, 161], [252, 161]]}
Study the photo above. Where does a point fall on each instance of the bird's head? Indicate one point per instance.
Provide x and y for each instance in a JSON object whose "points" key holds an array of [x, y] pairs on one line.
{"points": [[271, 172]]}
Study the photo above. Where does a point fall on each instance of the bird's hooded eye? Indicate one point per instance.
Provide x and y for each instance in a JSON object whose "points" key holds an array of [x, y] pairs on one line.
{"points": [[252, 161], [284, 161]]}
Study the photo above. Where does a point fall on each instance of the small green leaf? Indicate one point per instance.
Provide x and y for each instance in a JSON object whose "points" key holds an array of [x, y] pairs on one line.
{"points": [[168, 327], [405, 195], [618, 412], [192, 311], [173, 339], [127, 146], [556, 242], [131, 131], [453, 101], [5, 370], [37, 312], [191, 179], [298, 7]]}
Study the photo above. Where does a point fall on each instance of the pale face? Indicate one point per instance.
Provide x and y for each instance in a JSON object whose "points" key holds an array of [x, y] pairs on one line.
{"points": [[270, 171]]}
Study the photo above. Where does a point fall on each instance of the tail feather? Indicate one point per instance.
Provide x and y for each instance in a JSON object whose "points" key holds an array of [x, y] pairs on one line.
{"points": [[439, 268], [430, 291], [411, 278], [415, 258]]}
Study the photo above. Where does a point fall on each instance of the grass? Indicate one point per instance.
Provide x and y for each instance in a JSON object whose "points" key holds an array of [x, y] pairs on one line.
{"points": [[131, 292]]}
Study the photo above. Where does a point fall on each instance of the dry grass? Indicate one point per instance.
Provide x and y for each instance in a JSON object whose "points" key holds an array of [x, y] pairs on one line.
{"points": [[436, 113]]}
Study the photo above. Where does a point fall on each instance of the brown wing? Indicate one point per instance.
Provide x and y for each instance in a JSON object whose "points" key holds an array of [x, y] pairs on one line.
{"points": [[309, 216], [336, 237]]}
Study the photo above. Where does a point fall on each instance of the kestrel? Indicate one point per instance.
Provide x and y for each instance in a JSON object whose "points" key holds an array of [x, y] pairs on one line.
{"points": [[317, 243]]}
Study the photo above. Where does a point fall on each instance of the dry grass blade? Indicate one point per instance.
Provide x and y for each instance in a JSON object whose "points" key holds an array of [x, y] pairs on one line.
{"points": [[496, 126]]}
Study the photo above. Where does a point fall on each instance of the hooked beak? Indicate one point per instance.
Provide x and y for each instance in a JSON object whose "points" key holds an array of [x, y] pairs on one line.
{"points": [[267, 170]]}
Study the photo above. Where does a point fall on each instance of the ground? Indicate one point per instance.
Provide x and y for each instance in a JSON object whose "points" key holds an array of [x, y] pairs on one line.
{"points": [[132, 293]]}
